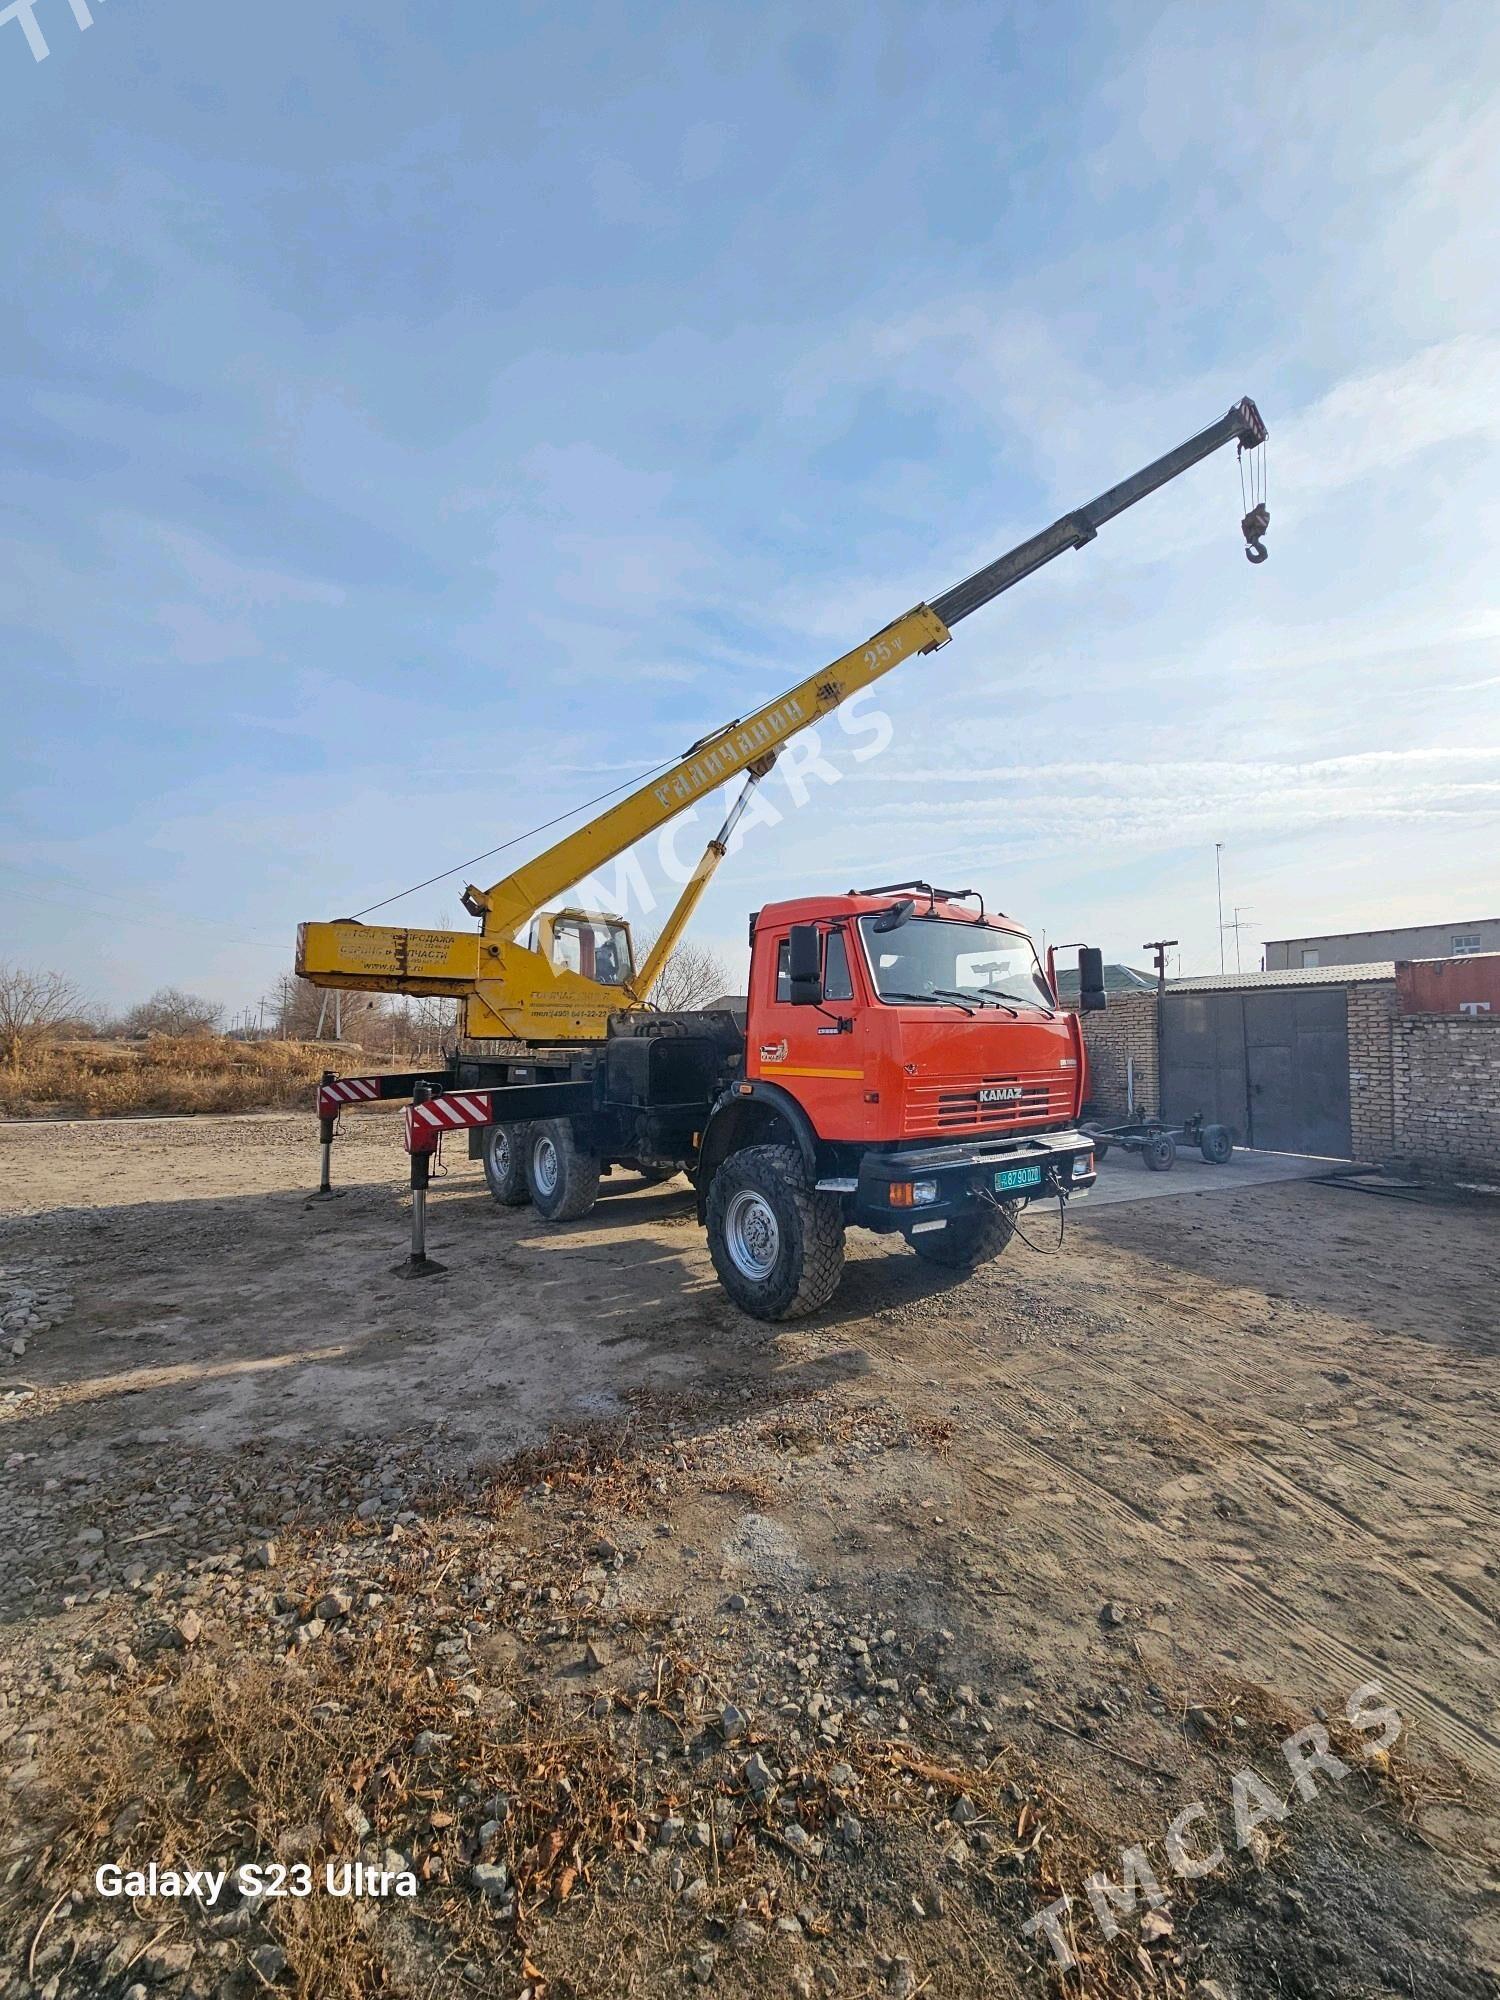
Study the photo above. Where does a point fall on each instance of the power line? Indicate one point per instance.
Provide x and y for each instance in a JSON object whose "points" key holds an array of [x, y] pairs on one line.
{"points": [[629, 784]]}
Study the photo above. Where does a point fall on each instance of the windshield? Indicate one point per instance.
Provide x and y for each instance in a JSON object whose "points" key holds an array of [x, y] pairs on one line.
{"points": [[927, 958]]}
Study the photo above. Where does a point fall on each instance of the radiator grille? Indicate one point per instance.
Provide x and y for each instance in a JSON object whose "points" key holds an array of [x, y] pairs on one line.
{"points": [[951, 1104]]}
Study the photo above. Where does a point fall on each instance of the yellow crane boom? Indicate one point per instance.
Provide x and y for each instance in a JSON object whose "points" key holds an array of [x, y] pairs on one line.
{"points": [[576, 967], [524, 991]]}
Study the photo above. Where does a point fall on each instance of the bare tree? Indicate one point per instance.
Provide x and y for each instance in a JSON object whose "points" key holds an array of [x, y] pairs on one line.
{"points": [[303, 1012], [691, 977], [33, 1005], [170, 1011], [421, 1024]]}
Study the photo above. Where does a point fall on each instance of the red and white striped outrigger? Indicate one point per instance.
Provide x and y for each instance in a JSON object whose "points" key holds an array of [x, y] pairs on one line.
{"points": [[436, 1107], [342, 1090], [453, 1111], [347, 1093]]}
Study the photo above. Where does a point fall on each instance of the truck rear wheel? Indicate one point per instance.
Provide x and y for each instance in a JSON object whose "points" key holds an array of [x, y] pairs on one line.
{"points": [[562, 1179], [504, 1158], [969, 1240], [777, 1245]]}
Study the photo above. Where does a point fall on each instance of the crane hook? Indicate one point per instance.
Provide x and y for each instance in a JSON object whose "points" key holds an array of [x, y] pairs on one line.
{"points": [[1254, 527]]}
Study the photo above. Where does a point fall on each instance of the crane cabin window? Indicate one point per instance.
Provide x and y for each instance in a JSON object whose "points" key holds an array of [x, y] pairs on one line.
{"points": [[596, 948]]}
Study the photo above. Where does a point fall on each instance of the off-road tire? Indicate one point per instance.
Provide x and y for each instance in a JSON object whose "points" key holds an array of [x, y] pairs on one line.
{"points": [[504, 1157], [1101, 1149], [970, 1240], [1216, 1144], [807, 1261], [1159, 1152], [564, 1183]]}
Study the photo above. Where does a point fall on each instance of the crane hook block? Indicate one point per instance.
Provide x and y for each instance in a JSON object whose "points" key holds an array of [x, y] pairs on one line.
{"points": [[1254, 527]]}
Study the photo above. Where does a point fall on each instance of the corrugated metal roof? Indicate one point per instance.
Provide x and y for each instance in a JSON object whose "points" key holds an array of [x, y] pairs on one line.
{"points": [[1296, 975], [1117, 979]]}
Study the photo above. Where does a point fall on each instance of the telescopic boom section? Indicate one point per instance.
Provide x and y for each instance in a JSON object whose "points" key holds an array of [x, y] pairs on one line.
{"points": [[1241, 425], [511, 990]]}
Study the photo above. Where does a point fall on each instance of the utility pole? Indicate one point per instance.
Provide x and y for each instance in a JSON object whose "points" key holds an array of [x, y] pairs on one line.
{"points": [[1219, 885], [1159, 947]]}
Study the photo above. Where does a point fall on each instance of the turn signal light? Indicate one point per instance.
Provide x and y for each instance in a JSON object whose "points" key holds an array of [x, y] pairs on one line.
{"points": [[899, 1194]]}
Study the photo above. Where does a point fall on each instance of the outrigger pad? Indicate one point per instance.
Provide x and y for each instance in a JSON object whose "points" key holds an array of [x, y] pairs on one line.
{"points": [[417, 1267]]}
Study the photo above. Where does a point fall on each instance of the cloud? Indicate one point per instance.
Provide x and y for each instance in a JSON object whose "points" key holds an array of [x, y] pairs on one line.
{"points": [[201, 640], [224, 578], [1369, 424]]}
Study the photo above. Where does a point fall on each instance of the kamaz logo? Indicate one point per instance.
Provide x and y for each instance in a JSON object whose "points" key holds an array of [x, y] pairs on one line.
{"points": [[1000, 1093]]}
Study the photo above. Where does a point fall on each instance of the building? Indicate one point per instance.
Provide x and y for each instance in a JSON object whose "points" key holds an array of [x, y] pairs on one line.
{"points": [[1389, 1061], [1456, 940]]}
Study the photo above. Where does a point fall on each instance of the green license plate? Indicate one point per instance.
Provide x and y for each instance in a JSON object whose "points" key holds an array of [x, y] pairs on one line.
{"points": [[1014, 1177]]}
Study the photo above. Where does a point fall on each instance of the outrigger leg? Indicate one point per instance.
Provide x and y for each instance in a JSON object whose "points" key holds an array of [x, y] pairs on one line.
{"points": [[421, 1142]]}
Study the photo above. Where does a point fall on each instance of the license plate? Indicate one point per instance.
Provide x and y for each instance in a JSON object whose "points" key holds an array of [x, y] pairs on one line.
{"points": [[1017, 1177]]}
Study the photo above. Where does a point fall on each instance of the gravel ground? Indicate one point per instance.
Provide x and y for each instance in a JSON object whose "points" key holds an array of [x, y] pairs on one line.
{"points": [[660, 1648]]}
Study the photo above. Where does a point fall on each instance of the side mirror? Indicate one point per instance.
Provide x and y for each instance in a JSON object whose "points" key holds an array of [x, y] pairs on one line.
{"points": [[1092, 998], [805, 965]]}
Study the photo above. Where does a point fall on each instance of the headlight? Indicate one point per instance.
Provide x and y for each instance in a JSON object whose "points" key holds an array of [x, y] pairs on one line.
{"points": [[923, 1192], [1083, 1166]]}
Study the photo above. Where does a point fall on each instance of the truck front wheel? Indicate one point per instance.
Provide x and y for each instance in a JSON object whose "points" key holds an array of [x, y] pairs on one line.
{"points": [[563, 1179], [969, 1240], [777, 1245], [505, 1164]]}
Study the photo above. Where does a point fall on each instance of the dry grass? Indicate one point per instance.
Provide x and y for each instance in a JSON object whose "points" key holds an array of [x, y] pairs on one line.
{"points": [[569, 1773], [165, 1073], [290, 1760], [293, 1759]]}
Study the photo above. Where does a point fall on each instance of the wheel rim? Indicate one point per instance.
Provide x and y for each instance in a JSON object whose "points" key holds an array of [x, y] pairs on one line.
{"points": [[544, 1167], [752, 1235], [500, 1152]]}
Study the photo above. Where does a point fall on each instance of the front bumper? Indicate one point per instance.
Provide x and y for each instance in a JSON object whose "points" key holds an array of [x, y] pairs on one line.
{"points": [[965, 1172]]}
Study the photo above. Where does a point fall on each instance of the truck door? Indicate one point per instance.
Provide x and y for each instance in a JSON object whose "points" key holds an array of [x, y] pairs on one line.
{"points": [[804, 1049]]}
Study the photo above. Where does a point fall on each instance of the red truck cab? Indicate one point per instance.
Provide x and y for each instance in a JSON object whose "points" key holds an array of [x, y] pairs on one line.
{"points": [[934, 1020], [908, 1063]]}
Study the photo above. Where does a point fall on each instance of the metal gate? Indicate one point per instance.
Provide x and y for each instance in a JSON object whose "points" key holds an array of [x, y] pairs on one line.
{"points": [[1272, 1065]]}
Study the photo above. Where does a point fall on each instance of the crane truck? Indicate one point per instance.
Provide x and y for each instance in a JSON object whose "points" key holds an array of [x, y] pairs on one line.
{"points": [[904, 1064]]}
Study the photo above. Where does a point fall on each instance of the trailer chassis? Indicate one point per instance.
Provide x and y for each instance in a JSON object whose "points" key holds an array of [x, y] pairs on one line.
{"points": [[1156, 1141]]}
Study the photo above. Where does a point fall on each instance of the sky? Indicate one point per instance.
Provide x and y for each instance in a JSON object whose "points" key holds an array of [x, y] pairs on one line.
{"points": [[421, 420]]}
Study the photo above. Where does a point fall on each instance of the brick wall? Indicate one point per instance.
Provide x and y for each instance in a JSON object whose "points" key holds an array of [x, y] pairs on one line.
{"points": [[1124, 1032], [1372, 1018], [1446, 1092]]}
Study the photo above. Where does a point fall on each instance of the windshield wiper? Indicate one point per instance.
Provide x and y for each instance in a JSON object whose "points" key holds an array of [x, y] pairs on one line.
{"points": [[932, 999], [991, 997], [1023, 999], [965, 996]]}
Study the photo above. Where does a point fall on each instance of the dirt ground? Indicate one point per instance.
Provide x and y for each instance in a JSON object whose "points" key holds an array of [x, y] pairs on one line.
{"points": [[998, 1575]]}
